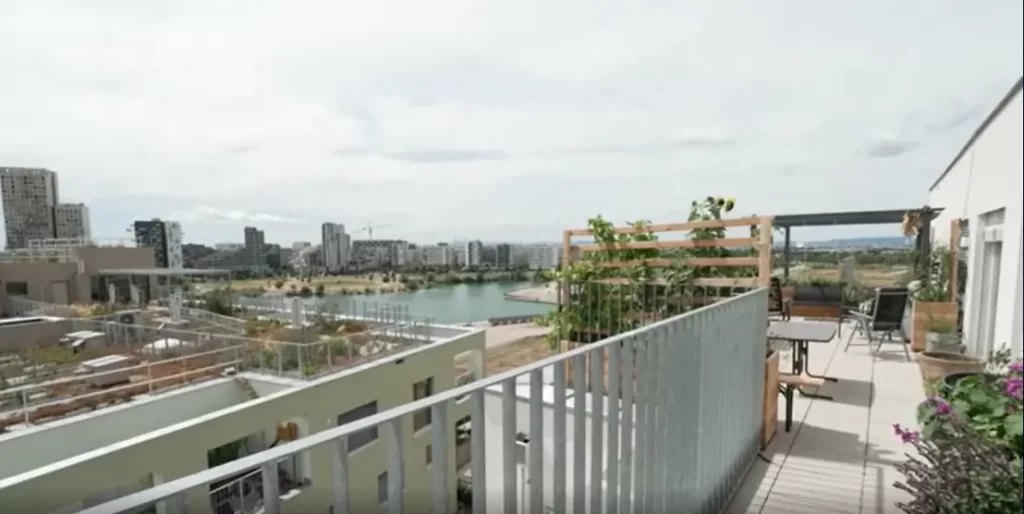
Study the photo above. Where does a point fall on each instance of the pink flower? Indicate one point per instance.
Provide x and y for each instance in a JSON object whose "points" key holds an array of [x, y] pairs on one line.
{"points": [[942, 407], [1017, 367], [1015, 387], [907, 436]]}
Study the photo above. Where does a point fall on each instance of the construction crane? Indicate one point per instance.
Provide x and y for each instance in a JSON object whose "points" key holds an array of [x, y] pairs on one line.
{"points": [[370, 227]]}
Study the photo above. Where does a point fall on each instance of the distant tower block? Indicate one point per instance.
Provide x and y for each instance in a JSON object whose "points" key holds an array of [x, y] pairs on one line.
{"points": [[297, 320], [111, 294], [176, 302]]}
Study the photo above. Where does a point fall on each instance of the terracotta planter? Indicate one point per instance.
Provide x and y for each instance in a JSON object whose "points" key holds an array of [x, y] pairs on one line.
{"points": [[935, 366], [922, 314], [770, 421]]}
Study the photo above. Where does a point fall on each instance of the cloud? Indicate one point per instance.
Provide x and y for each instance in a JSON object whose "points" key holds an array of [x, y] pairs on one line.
{"points": [[215, 215], [456, 114], [887, 147]]}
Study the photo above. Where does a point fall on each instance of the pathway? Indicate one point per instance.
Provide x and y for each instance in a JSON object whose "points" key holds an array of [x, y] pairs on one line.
{"points": [[840, 455]]}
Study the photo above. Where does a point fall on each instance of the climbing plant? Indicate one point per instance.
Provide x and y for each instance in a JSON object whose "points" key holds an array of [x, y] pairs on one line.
{"points": [[605, 300]]}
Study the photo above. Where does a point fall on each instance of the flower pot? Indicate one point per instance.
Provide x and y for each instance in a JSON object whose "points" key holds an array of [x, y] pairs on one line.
{"points": [[943, 343], [953, 379], [935, 366]]}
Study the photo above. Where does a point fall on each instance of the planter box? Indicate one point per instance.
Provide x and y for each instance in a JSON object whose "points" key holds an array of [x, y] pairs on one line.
{"points": [[815, 311], [922, 313], [769, 425], [818, 295]]}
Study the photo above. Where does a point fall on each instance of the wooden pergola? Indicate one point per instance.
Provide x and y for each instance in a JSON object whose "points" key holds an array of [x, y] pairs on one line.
{"points": [[923, 243]]}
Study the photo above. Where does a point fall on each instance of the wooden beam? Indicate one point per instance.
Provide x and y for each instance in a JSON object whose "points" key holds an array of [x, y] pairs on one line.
{"points": [[702, 282], [677, 227], [696, 262], [665, 245], [954, 251], [764, 249]]}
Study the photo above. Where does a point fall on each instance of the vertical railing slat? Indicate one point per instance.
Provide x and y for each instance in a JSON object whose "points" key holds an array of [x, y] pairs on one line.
{"points": [[396, 466], [478, 450], [614, 414], [628, 407], [597, 420], [579, 431], [535, 460], [509, 468], [340, 476], [559, 494], [439, 443]]}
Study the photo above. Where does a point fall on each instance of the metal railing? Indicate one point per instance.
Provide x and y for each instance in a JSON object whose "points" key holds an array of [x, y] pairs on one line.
{"points": [[243, 495], [687, 427]]}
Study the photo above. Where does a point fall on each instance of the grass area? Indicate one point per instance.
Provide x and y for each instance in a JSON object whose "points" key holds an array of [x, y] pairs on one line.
{"points": [[866, 275], [510, 356], [331, 285]]}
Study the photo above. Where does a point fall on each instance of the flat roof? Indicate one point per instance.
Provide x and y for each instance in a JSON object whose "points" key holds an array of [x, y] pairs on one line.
{"points": [[162, 272], [820, 219]]}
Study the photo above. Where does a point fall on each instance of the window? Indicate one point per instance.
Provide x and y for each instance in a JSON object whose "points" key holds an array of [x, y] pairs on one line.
{"points": [[421, 390], [429, 457], [363, 437], [382, 488], [990, 257]]}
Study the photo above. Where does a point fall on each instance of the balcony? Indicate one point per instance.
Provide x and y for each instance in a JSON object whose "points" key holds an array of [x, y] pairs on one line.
{"points": [[665, 418]]}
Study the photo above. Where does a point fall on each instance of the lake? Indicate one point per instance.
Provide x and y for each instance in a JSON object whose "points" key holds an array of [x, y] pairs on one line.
{"points": [[461, 303]]}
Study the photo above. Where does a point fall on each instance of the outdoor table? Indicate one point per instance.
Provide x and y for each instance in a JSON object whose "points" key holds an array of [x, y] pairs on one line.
{"points": [[801, 334]]}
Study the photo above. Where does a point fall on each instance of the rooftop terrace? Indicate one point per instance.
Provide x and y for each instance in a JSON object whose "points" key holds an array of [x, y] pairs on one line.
{"points": [[111, 359]]}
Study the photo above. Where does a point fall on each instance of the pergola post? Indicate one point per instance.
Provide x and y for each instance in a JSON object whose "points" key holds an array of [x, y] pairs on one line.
{"points": [[785, 256], [924, 242]]}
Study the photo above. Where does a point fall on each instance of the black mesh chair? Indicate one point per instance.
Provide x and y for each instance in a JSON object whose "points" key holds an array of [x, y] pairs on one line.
{"points": [[777, 306], [886, 317]]}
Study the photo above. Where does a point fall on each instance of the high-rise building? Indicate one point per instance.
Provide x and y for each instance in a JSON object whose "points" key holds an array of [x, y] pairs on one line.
{"points": [[30, 196], [474, 253], [71, 221], [165, 238], [504, 255], [335, 245], [255, 248]]}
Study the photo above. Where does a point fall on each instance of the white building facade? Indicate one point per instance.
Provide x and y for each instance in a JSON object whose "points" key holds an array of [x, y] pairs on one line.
{"points": [[982, 186]]}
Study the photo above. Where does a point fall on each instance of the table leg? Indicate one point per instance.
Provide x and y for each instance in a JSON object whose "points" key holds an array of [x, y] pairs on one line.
{"points": [[796, 358], [802, 349], [806, 361]]}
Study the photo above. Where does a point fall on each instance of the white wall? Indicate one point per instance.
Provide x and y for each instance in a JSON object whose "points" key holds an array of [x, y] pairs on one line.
{"points": [[180, 450], [28, 449], [986, 178]]}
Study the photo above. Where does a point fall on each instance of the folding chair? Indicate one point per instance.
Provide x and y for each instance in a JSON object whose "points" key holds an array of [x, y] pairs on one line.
{"points": [[886, 317]]}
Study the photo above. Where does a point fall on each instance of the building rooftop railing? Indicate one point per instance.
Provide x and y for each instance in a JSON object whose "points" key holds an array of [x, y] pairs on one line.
{"points": [[48, 383], [678, 436]]}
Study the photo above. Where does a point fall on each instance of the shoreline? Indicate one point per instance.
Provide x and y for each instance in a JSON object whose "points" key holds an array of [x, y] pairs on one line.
{"points": [[545, 294]]}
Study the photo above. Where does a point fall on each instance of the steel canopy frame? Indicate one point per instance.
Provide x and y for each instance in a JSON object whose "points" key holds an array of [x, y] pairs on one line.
{"points": [[847, 218]]}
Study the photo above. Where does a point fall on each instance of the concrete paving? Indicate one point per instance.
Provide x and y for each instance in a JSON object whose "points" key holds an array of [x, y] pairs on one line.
{"points": [[840, 455]]}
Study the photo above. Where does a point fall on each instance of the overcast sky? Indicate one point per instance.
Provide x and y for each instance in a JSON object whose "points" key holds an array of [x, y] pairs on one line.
{"points": [[493, 119]]}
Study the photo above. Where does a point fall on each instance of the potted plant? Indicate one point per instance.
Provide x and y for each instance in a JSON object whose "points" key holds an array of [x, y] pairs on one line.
{"points": [[941, 335], [931, 300], [970, 446], [935, 366]]}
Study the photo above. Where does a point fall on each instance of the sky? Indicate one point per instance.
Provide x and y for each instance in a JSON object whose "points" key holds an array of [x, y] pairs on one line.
{"points": [[499, 119]]}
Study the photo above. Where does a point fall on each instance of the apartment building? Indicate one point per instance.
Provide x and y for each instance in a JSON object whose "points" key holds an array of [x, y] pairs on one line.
{"points": [[255, 248], [71, 221], [541, 255], [474, 253], [437, 255], [165, 238], [377, 253], [29, 197], [335, 246], [241, 404], [503, 255]]}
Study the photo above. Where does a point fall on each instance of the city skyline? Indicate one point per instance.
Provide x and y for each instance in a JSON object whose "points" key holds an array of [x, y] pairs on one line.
{"points": [[475, 133]]}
